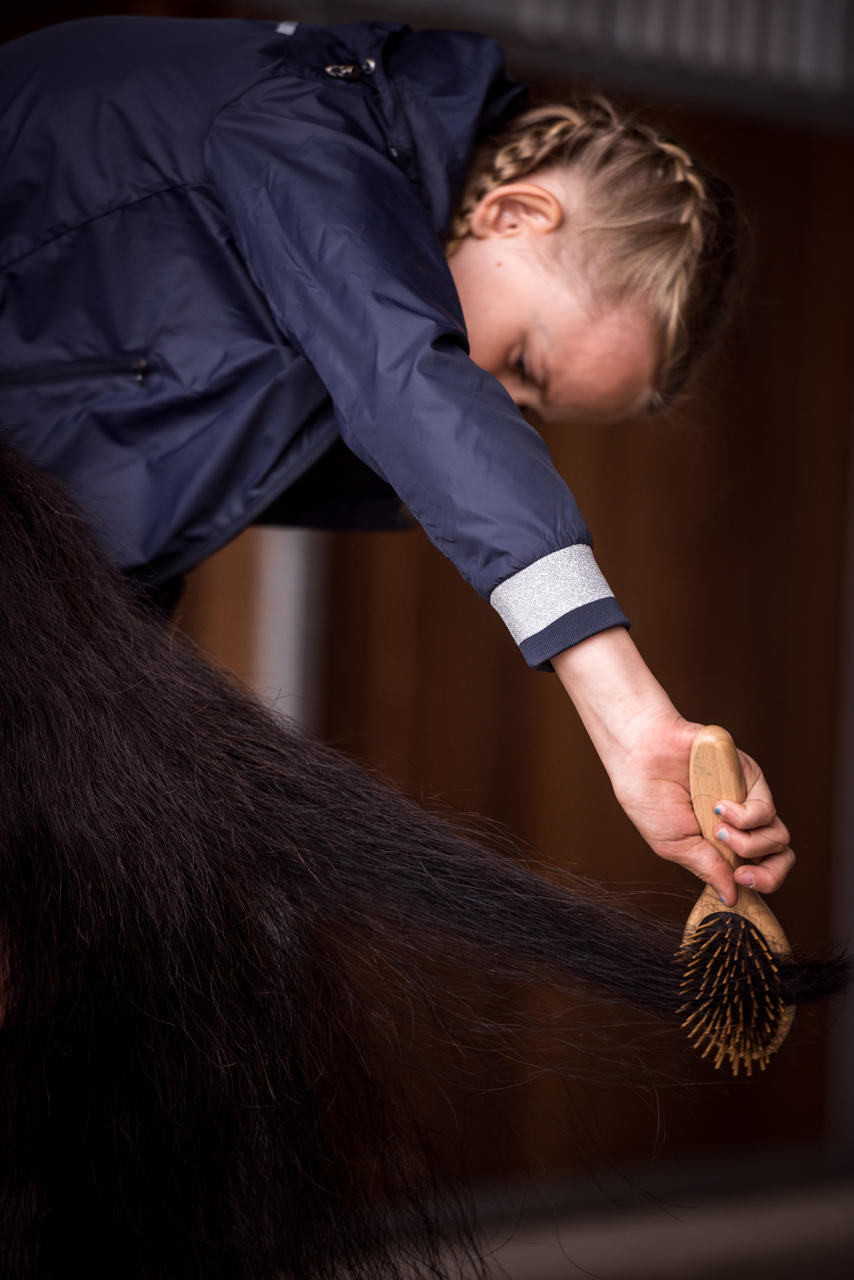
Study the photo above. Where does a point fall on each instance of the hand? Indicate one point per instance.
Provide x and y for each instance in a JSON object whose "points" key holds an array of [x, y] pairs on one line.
{"points": [[644, 744], [651, 783]]}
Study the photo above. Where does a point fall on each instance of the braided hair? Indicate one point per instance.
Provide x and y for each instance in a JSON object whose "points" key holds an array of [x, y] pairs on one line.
{"points": [[649, 222]]}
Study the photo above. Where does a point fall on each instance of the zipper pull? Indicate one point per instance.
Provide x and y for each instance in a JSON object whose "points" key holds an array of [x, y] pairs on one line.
{"points": [[351, 70]]}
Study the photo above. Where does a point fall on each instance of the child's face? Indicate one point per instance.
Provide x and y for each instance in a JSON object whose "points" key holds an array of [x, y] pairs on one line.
{"points": [[530, 326]]}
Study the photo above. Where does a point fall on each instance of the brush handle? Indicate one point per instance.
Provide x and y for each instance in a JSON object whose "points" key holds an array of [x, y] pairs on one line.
{"points": [[715, 773]]}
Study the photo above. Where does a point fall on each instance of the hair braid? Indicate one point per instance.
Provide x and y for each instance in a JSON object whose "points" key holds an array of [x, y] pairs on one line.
{"points": [[652, 224]]}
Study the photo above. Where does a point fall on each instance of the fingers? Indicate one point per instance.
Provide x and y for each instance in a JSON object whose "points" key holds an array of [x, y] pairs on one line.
{"points": [[748, 838], [754, 832], [705, 861], [765, 848], [769, 858], [767, 875], [757, 811]]}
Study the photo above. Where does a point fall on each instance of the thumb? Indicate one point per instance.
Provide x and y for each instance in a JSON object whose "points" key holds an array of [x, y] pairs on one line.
{"points": [[705, 862]]}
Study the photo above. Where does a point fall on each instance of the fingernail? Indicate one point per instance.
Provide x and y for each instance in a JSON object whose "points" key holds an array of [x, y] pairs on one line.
{"points": [[723, 834], [749, 879], [719, 810], [723, 898]]}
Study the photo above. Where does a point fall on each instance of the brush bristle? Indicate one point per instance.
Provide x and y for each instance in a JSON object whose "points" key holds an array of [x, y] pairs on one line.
{"points": [[732, 1002]]}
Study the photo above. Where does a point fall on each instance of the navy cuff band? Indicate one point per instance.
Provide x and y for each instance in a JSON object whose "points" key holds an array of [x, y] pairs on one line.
{"points": [[579, 624]]}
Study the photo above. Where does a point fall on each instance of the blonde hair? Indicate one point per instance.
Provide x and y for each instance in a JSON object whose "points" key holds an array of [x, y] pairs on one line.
{"points": [[650, 223]]}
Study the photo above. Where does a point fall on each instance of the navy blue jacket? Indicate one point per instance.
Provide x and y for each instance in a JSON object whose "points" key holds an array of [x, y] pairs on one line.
{"points": [[220, 249]]}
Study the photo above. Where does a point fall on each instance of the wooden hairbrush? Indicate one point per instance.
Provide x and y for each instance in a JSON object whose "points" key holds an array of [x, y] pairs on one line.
{"points": [[732, 1001]]}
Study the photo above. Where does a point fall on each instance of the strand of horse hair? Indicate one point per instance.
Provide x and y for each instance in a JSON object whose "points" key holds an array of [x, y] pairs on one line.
{"points": [[213, 931]]}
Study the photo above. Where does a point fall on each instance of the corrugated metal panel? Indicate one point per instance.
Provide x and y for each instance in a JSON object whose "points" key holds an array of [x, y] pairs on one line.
{"points": [[806, 42], [801, 47]]}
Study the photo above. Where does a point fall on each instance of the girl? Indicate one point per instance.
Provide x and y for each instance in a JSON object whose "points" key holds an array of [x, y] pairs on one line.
{"points": [[224, 245], [234, 254]]}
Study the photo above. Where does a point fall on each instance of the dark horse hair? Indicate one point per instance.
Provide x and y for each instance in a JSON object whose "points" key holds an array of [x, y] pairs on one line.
{"points": [[212, 932]]}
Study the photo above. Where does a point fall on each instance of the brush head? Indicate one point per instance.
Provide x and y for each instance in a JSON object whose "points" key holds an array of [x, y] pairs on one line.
{"points": [[732, 999]]}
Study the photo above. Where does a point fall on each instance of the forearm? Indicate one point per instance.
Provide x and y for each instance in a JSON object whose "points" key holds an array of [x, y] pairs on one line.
{"points": [[615, 693]]}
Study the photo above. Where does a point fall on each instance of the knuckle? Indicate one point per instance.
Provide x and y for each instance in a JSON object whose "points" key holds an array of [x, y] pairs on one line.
{"points": [[740, 843], [737, 817], [766, 814]]}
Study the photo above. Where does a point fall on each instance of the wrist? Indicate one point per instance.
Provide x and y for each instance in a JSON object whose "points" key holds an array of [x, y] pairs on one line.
{"points": [[621, 704]]}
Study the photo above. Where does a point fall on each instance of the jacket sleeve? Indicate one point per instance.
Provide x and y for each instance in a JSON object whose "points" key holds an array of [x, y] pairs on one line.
{"points": [[337, 239]]}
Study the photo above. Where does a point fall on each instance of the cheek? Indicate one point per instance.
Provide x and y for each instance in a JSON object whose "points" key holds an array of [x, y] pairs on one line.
{"points": [[482, 345], [483, 288], [490, 333]]}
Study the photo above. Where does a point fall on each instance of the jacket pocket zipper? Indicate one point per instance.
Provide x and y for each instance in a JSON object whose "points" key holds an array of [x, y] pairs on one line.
{"points": [[137, 367]]}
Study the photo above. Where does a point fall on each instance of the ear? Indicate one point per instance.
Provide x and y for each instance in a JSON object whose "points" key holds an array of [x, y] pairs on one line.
{"points": [[516, 208]]}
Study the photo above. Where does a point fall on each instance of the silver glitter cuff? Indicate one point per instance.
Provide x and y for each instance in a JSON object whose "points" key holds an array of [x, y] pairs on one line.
{"points": [[536, 597]]}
